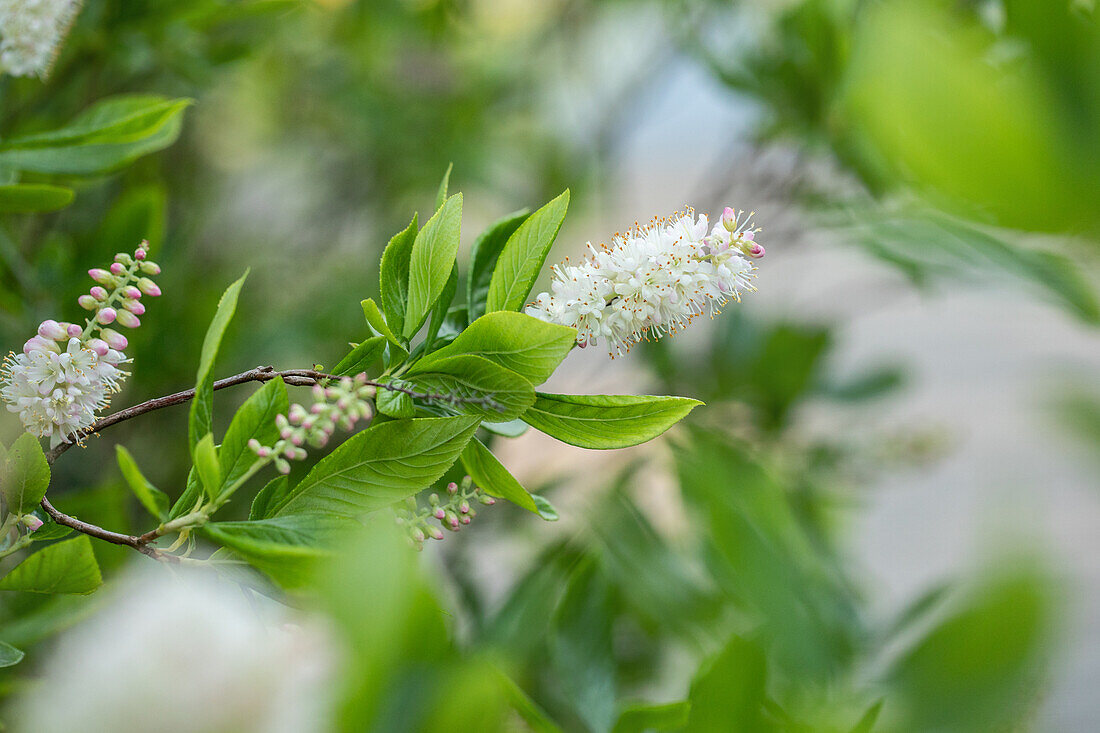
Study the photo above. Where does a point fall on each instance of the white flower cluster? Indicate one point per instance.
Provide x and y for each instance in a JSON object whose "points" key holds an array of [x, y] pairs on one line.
{"points": [[58, 393], [652, 281], [31, 32], [67, 372]]}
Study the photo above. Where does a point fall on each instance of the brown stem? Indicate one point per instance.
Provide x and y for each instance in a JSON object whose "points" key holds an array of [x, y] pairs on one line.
{"points": [[140, 543]]}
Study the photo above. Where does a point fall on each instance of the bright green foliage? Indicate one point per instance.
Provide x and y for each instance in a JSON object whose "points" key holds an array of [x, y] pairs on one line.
{"points": [[254, 420], [475, 378], [431, 262], [201, 420], [488, 473], [606, 421], [483, 260], [26, 197], [208, 466], [393, 279], [379, 466], [63, 567], [361, 358], [26, 475], [522, 258]]}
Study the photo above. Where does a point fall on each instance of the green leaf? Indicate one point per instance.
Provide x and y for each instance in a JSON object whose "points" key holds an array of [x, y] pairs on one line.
{"points": [[730, 686], [442, 308], [269, 497], [377, 322], [509, 429], [153, 499], [202, 406], [9, 655], [474, 377], [380, 465], [188, 501], [63, 567], [523, 255], [285, 548], [493, 478], [104, 137], [867, 722], [254, 419], [644, 718], [528, 346], [394, 404], [606, 421], [393, 278], [22, 198], [441, 194], [207, 465], [26, 475], [483, 260], [361, 358], [545, 508], [581, 647], [431, 261]]}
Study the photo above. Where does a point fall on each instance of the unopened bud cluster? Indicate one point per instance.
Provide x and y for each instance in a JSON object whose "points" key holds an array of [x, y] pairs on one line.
{"points": [[66, 371], [338, 404], [453, 511]]}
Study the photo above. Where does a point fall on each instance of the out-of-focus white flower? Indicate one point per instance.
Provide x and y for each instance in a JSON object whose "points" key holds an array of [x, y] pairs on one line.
{"points": [[653, 280], [31, 32], [58, 393], [185, 654]]}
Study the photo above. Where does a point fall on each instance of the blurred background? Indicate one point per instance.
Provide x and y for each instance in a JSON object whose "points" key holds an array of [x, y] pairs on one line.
{"points": [[892, 490]]}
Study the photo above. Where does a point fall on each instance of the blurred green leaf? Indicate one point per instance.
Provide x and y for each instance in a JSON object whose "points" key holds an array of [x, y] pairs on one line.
{"points": [[606, 421], [153, 499], [441, 194], [670, 716], [286, 548], [582, 650], [730, 687], [523, 255], [380, 465], [63, 567], [28, 197], [9, 655], [106, 136]]}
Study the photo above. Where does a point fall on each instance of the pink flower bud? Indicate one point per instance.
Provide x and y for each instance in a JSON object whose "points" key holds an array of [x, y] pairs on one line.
{"points": [[131, 292], [729, 218], [148, 287], [50, 329], [139, 253], [282, 466], [452, 487], [114, 339], [31, 522], [439, 513], [98, 293], [37, 343], [73, 330], [756, 251], [134, 306], [87, 302], [127, 319], [99, 346], [106, 315], [101, 276], [117, 268], [436, 532]]}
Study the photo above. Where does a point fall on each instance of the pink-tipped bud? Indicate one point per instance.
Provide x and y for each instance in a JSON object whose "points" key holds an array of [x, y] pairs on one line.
{"points": [[729, 219], [464, 507], [139, 253], [131, 292], [282, 466], [452, 487], [487, 500], [439, 513], [127, 319], [149, 267], [148, 287], [134, 306], [755, 251], [106, 315], [37, 343], [436, 533], [101, 276], [50, 329], [114, 339], [87, 302], [98, 293], [73, 330], [31, 522], [286, 433], [117, 268], [99, 346], [465, 519]]}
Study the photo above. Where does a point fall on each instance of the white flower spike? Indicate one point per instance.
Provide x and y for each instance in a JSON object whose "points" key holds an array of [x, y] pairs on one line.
{"points": [[31, 32], [653, 280]]}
